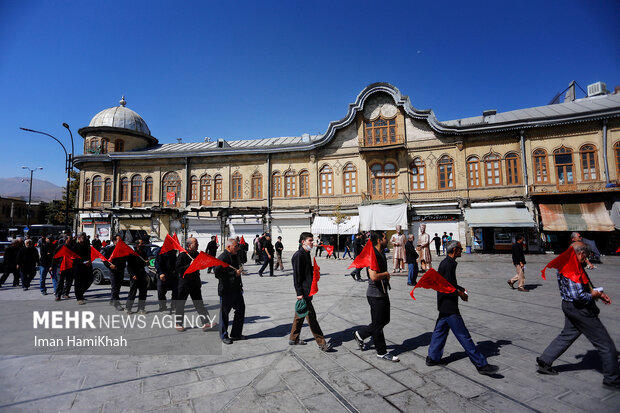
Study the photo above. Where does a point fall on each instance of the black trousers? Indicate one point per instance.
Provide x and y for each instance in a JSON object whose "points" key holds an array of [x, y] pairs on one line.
{"points": [[171, 283], [137, 286], [83, 280], [190, 285], [578, 321], [380, 317], [266, 261], [319, 250], [9, 271], [227, 303], [356, 273], [27, 275], [65, 279], [116, 279]]}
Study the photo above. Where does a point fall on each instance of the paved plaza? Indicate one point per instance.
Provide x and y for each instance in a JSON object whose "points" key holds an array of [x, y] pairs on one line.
{"points": [[265, 374]]}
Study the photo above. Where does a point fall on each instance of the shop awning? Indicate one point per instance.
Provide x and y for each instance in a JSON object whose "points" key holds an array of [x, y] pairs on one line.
{"points": [[326, 225], [592, 216], [382, 217], [500, 216]]}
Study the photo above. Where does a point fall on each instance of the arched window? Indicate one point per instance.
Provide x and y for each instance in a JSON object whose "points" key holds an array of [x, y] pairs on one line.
{"points": [[107, 190], [617, 151], [589, 167], [326, 177], [237, 186], [383, 181], [217, 187], [473, 172], [290, 184], [380, 132], [87, 190], [445, 171], [349, 178], [563, 159], [119, 145], [276, 183], [94, 146], [105, 142], [136, 191], [416, 170], [541, 166], [148, 189], [205, 190], [513, 169], [257, 185], [125, 189], [304, 183], [97, 190], [171, 189], [492, 169], [193, 188]]}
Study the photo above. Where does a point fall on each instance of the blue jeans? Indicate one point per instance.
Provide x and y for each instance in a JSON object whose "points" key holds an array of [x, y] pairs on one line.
{"points": [[43, 271], [455, 323], [413, 273]]}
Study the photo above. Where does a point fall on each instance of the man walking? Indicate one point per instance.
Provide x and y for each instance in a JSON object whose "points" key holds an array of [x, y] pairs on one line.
{"points": [[450, 317], [358, 246], [437, 242], [212, 249], [82, 268], [27, 262], [302, 280], [65, 278], [117, 273], [279, 248], [167, 278], [581, 317], [10, 263], [47, 255], [137, 280], [379, 300], [412, 261], [444, 241], [230, 290], [518, 259], [268, 252]]}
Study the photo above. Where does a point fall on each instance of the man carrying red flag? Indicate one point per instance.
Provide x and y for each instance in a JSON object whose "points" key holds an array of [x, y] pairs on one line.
{"points": [[377, 296], [580, 316], [230, 290], [167, 278], [137, 280], [302, 280], [65, 272], [116, 265], [83, 267], [450, 317]]}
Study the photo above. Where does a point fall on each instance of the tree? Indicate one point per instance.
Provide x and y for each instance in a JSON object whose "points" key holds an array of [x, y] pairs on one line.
{"points": [[55, 213], [339, 218]]}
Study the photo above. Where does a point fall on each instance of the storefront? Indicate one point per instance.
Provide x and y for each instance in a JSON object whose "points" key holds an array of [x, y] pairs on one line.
{"points": [[202, 226], [289, 225], [438, 218], [247, 226], [96, 223]]}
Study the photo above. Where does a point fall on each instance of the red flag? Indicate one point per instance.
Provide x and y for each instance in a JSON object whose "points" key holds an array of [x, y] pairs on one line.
{"points": [[316, 276], [329, 249], [202, 261], [104, 244], [174, 236], [216, 241], [366, 258], [67, 258], [568, 265], [94, 254], [434, 281], [242, 241], [618, 250], [171, 243], [122, 250]]}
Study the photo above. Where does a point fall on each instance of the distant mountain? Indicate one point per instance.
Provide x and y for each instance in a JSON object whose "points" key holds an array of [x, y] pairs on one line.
{"points": [[41, 190]]}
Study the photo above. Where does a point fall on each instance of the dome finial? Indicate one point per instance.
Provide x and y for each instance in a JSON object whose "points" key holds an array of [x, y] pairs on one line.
{"points": [[123, 102]]}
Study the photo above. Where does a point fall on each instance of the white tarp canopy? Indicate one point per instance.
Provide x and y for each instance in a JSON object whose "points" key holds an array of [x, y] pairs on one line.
{"points": [[507, 216], [382, 217], [327, 225]]}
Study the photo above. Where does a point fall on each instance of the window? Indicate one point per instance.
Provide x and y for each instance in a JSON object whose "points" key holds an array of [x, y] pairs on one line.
{"points": [[417, 174], [563, 159], [493, 170], [205, 190], [171, 189], [326, 177], [617, 151], [445, 169], [237, 186], [304, 183], [107, 190], [257, 185], [94, 146], [97, 190], [290, 184], [125, 189], [349, 177], [276, 182], [87, 190], [380, 132], [193, 188], [383, 181], [119, 145], [217, 187], [588, 163], [105, 142], [513, 169], [473, 172], [148, 189], [136, 191], [541, 166]]}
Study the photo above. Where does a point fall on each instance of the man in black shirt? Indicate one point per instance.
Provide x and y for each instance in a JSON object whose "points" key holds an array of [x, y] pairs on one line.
{"points": [[358, 246], [279, 248], [450, 317], [437, 242], [137, 280], [268, 252], [379, 300], [47, 254], [82, 268], [96, 243], [411, 256], [167, 278], [10, 263], [27, 261], [65, 278], [117, 273], [212, 249], [302, 280], [518, 259], [230, 290]]}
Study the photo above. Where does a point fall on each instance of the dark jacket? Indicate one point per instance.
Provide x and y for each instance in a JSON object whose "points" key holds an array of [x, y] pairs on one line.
{"points": [[183, 263], [229, 282], [517, 254], [358, 246], [448, 303], [10, 257], [97, 244], [120, 263], [380, 287], [57, 261], [279, 247], [165, 263], [47, 254], [302, 272], [212, 248], [268, 247], [135, 265], [410, 253], [27, 258], [437, 241]]}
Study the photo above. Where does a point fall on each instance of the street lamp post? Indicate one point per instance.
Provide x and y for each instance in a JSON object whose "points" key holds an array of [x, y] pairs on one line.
{"points": [[30, 193]]}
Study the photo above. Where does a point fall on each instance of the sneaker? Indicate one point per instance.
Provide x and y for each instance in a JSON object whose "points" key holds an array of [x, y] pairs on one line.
{"points": [[430, 362], [545, 368], [358, 340], [389, 357], [296, 343], [611, 385], [488, 370]]}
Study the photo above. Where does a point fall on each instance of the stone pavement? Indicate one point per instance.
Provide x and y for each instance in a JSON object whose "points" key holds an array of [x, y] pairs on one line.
{"points": [[265, 374]]}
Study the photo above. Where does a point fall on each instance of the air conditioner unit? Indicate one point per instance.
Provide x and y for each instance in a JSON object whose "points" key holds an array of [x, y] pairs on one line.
{"points": [[597, 89]]}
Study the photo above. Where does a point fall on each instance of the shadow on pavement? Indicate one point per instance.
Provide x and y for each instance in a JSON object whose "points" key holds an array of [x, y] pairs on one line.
{"points": [[589, 361]]}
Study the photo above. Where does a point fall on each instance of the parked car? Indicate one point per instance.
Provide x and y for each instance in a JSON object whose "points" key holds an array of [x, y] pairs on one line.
{"points": [[101, 274]]}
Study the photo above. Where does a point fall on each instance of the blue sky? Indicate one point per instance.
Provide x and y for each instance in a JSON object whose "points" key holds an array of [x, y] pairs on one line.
{"points": [[248, 69]]}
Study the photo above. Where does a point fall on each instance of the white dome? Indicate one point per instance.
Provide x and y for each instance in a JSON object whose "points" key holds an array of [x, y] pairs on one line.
{"points": [[120, 117]]}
